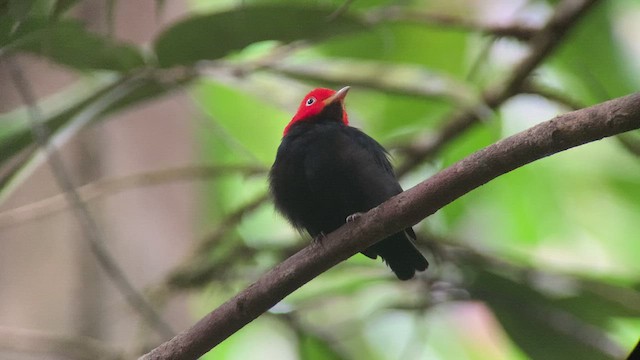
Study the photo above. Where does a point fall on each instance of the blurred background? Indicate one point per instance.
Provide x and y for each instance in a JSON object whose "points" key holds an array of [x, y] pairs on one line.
{"points": [[166, 115]]}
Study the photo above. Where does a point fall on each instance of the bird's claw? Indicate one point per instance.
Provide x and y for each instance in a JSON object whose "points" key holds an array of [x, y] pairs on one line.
{"points": [[318, 238], [353, 217]]}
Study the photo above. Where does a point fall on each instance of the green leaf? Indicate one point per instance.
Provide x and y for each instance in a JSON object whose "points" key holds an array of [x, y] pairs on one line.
{"points": [[70, 44], [209, 37]]}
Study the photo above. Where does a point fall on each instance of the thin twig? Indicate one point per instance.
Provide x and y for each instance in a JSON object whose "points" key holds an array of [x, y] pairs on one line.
{"points": [[392, 79], [404, 210], [230, 222], [542, 44], [194, 271], [477, 63], [87, 223], [200, 271], [630, 143], [340, 10], [396, 13], [404, 80], [566, 15], [104, 187], [552, 94]]}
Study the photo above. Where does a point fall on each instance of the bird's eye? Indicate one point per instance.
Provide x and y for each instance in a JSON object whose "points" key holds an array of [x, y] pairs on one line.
{"points": [[310, 101]]}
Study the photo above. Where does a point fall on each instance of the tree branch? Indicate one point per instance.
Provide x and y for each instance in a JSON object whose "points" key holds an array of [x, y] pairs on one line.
{"points": [[105, 187], [404, 210], [406, 80], [396, 13], [196, 272], [393, 79]]}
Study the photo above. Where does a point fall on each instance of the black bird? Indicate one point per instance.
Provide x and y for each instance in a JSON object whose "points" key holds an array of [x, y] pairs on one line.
{"points": [[327, 172]]}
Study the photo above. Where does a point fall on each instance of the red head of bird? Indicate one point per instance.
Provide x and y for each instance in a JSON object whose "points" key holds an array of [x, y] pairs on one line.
{"points": [[315, 102]]}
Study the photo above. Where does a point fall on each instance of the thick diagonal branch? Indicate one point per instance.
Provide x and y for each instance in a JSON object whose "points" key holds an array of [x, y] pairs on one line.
{"points": [[406, 209]]}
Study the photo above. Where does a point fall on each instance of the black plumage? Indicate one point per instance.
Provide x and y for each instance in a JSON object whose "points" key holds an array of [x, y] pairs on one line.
{"points": [[325, 171]]}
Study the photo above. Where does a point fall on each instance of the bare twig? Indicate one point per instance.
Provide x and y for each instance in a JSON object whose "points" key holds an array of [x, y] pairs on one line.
{"points": [[567, 13], [54, 345], [396, 13], [552, 94], [340, 10], [193, 270], [392, 79], [88, 224], [230, 222], [199, 271], [396, 79], [630, 143], [480, 58], [105, 187], [542, 44], [404, 210]]}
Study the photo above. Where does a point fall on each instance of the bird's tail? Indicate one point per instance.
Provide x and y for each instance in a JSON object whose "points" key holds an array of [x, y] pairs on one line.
{"points": [[400, 253]]}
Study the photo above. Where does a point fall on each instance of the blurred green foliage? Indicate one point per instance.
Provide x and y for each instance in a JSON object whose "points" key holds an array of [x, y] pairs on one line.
{"points": [[541, 263]]}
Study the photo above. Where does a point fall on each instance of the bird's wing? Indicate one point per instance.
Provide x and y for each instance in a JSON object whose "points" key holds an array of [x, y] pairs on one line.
{"points": [[352, 170], [378, 178]]}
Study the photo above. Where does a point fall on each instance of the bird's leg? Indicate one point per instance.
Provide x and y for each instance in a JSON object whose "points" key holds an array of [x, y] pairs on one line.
{"points": [[353, 217]]}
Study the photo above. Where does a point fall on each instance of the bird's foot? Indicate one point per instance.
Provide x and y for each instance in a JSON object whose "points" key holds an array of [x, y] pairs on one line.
{"points": [[318, 238], [353, 217]]}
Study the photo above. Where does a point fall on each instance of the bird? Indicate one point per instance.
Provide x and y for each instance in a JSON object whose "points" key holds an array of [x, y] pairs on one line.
{"points": [[327, 172]]}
